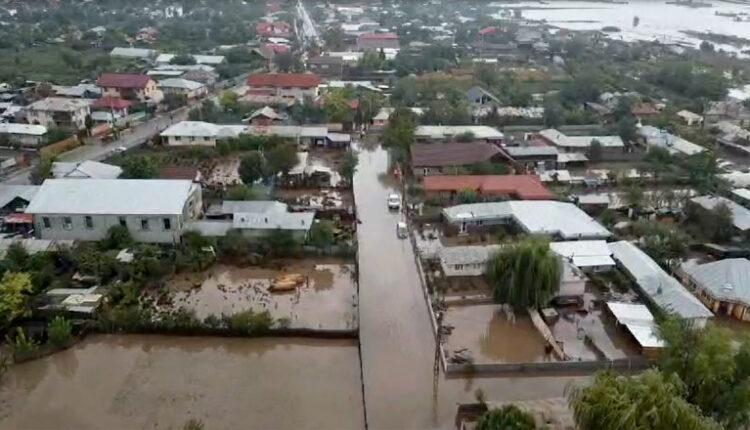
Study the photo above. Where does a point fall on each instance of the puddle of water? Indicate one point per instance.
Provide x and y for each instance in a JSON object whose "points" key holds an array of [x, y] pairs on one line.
{"points": [[326, 299], [148, 382], [492, 338]]}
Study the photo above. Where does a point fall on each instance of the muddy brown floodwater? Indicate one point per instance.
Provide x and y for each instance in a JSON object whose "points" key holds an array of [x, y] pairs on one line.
{"points": [[157, 382]]}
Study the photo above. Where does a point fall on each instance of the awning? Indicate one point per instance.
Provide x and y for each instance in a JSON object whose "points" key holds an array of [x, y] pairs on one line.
{"points": [[19, 218]]}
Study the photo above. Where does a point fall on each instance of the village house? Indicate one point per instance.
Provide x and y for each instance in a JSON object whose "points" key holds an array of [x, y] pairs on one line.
{"points": [[152, 210], [723, 286], [740, 214], [132, 87], [264, 116], [183, 87], [28, 135], [211, 60], [137, 53], [460, 261], [81, 91], [645, 111], [115, 106], [609, 144], [56, 112], [532, 157], [289, 87], [16, 198], [690, 118], [543, 217], [488, 187], [199, 133], [676, 145], [380, 120], [590, 256], [377, 41], [657, 286], [88, 169], [451, 132], [273, 29], [327, 66], [443, 158]]}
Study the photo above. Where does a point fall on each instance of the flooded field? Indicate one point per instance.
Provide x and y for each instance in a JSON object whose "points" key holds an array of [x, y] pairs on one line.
{"points": [[606, 341], [491, 338], [326, 298], [156, 382]]}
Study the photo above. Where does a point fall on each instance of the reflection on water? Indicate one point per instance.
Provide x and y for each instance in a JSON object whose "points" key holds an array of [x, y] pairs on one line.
{"points": [[139, 382]]}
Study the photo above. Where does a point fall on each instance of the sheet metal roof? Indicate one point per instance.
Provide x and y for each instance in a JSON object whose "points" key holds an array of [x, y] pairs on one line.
{"points": [[180, 83], [478, 254], [557, 138], [584, 253], [59, 104], [291, 221], [111, 197], [639, 322], [673, 144], [445, 131], [537, 217], [740, 214], [664, 290], [85, 169], [10, 192], [725, 280], [203, 129]]}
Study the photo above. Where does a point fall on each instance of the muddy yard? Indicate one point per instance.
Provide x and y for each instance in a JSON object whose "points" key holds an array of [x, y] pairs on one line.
{"points": [[325, 296]]}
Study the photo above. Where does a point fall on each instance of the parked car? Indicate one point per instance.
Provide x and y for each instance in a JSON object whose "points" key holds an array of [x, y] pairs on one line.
{"points": [[402, 231], [394, 201]]}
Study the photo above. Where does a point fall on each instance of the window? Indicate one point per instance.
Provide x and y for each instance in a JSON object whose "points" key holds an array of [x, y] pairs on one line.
{"points": [[123, 222], [167, 223], [88, 221], [67, 223], [144, 224], [458, 266], [46, 222], [177, 138]]}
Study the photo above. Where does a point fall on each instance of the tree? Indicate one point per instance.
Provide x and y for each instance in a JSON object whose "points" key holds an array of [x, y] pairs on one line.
{"points": [[702, 171], [553, 115], [525, 274], [322, 234], [59, 331], [252, 167], [467, 197], [281, 158], [118, 237], [287, 62], [229, 101], [42, 171], [626, 129], [337, 107], [398, 136], [659, 159], [486, 75], [649, 401], [348, 166], [89, 124], [665, 244], [715, 372], [595, 150], [15, 288], [335, 39], [634, 196], [140, 167], [183, 60], [509, 417]]}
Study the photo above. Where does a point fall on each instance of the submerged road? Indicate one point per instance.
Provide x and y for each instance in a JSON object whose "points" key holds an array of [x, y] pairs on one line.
{"points": [[397, 341]]}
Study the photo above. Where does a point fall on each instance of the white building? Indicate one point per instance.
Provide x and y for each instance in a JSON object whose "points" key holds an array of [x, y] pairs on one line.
{"points": [[184, 87], [580, 143], [23, 134], [199, 133], [587, 255], [674, 144], [152, 210], [56, 112], [466, 260], [443, 132]]}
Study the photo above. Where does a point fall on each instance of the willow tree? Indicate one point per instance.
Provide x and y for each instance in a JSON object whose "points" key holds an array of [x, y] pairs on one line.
{"points": [[648, 401], [524, 274]]}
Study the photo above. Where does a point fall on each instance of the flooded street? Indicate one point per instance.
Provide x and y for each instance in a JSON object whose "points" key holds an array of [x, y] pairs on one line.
{"points": [[397, 342], [158, 382]]}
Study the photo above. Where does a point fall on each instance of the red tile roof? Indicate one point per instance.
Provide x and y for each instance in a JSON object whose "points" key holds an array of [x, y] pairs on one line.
{"points": [[524, 187], [451, 154], [488, 31], [295, 80], [277, 48], [379, 36], [111, 103], [123, 80], [644, 109]]}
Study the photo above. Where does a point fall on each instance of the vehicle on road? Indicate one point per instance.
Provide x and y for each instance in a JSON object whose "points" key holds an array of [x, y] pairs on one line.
{"points": [[402, 232], [120, 149], [394, 201]]}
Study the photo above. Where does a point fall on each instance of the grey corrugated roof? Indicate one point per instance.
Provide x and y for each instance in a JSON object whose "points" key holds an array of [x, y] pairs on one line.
{"points": [[726, 280], [664, 290], [740, 214], [276, 221], [111, 197], [250, 206], [10, 192], [478, 254]]}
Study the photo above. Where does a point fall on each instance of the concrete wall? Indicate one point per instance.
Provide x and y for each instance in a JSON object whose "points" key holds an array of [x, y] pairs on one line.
{"points": [[101, 225], [635, 363]]}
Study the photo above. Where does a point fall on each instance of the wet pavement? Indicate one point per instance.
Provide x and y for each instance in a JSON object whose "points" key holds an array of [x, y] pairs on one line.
{"points": [[397, 342], [158, 382]]}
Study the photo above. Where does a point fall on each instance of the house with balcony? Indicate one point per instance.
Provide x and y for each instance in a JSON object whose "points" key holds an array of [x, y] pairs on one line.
{"points": [[134, 87], [58, 112], [283, 87]]}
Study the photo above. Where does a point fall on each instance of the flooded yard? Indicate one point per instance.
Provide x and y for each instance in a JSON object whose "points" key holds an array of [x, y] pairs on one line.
{"points": [[326, 297], [157, 382], [490, 337]]}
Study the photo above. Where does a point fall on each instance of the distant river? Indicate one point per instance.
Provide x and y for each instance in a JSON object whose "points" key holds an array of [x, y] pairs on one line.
{"points": [[658, 20]]}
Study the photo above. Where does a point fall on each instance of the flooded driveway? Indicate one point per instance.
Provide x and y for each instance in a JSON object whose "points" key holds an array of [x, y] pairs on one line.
{"points": [[157, 382], [326, 298], [397, 343]]}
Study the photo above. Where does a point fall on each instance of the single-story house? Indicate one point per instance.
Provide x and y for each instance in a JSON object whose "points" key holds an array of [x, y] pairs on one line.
{"points": [[466, 260], [657, 286], [740, 214], [724, 285], [264, 116], [303, 135], [587, 255], [23, 134], [384, 115], [534, 156], [439, 158], [545, 217], [85, 170], [450, 132], [212, 60], [690, 118], [152, 210], [581, 143], [140, 53], [676, 145], [199, 133], [520, 187]]}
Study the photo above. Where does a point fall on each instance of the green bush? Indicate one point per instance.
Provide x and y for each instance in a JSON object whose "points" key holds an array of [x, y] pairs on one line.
{"points": [[249, 322], [59, 331], [21, 344], [118, 237]]}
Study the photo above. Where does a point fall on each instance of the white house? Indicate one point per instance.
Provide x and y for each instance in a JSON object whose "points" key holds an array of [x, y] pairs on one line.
{"points": [[57, 112], [580, 143], [466, 260], [23, 134], [184, 87], [152, 210], [199, 133]]}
